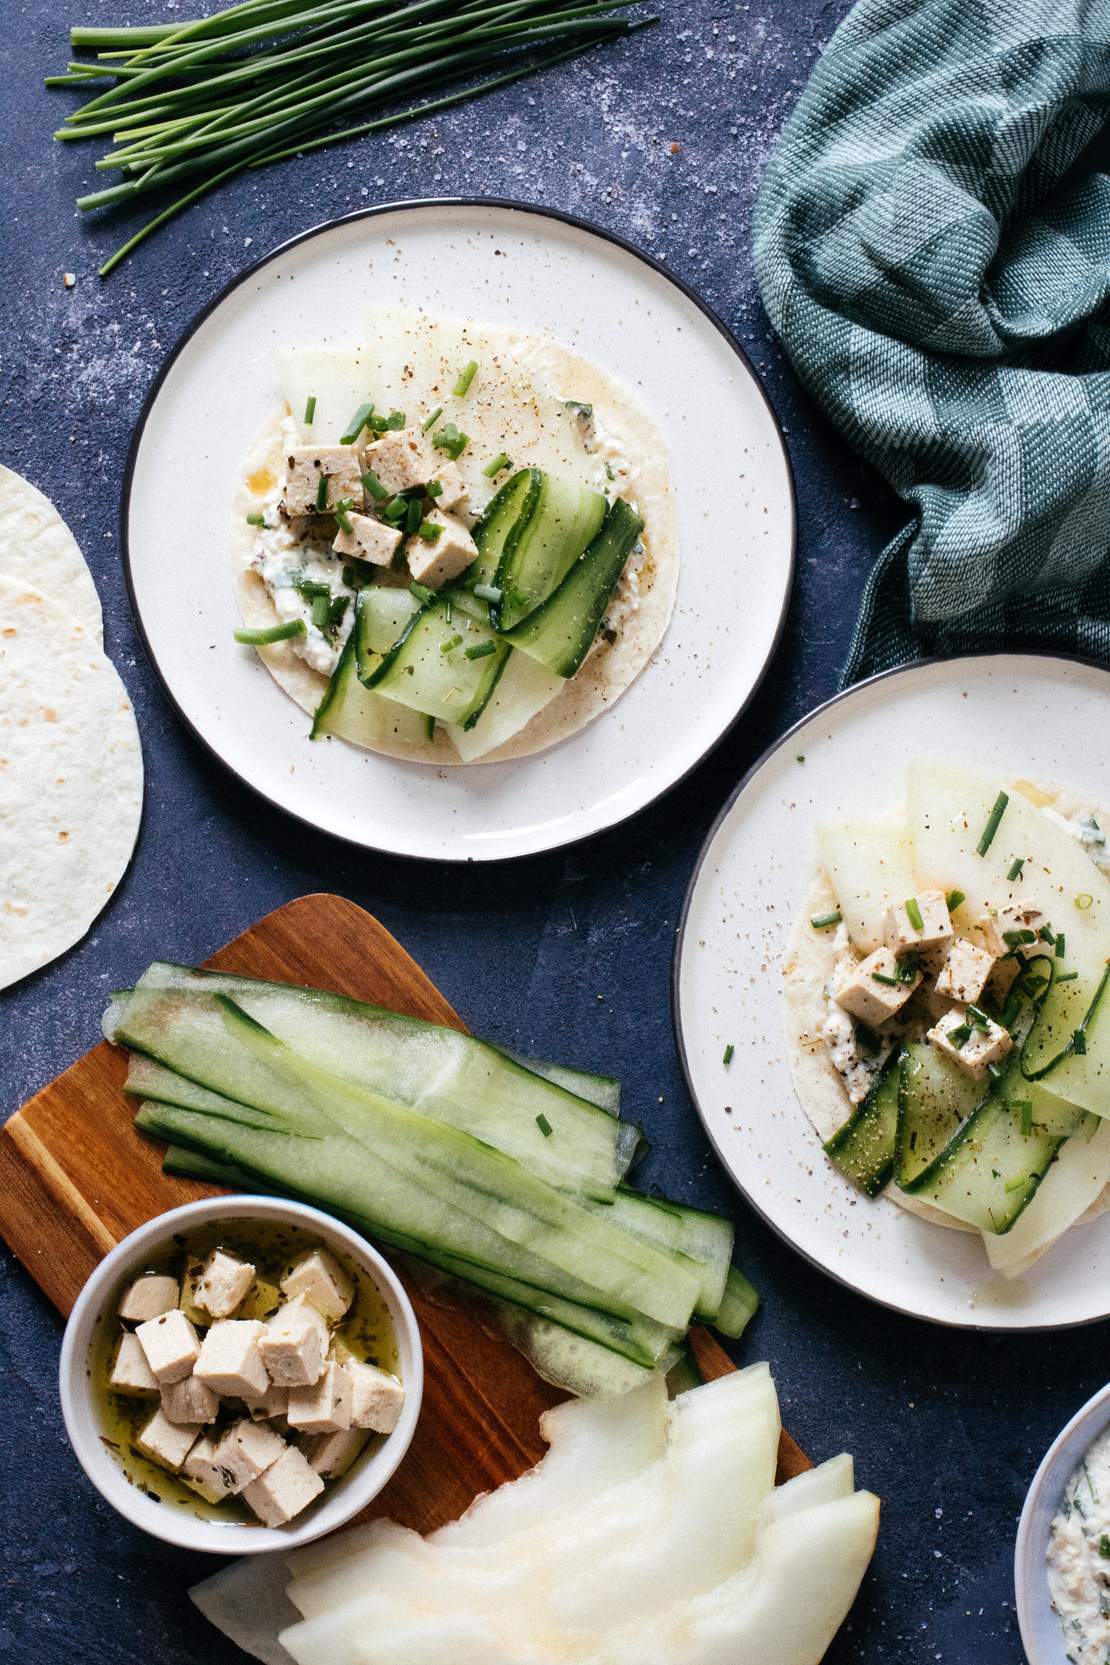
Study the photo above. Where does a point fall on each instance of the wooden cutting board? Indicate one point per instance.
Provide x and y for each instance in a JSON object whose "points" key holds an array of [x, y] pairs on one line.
{"points": [[75, 1178]]}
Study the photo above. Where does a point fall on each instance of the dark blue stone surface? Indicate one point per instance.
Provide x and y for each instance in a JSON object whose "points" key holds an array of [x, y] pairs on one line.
{"points": [[662, 139]]}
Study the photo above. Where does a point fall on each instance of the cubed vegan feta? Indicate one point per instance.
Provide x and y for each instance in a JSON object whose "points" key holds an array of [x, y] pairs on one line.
{"points": [[324, 1408], [200, 1467], [166, 1442], [450, 554], [452, 494], [305, 464], [876, 990], [171, 1345], [286, 1488], [194, 1271], [972, 1048], [295, 1344], [376, 1397], [148, 1297], [332, 1454], [230, 1361], [400, 459], [246, 1451], [1015, 927], [935, 930], [223, 1283], [963, 976], [319, 1277], [368, 540], [130, 1372], [190, 1400]]}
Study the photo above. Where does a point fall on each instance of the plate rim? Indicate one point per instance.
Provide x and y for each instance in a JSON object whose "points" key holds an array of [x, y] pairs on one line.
{"points": [[512, 205], [919, 664]]}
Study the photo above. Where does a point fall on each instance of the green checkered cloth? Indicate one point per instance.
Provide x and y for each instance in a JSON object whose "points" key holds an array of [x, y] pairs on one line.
{"points": [[932, 244]]}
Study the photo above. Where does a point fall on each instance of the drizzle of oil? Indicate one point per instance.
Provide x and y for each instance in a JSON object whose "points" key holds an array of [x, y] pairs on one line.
{"points": [[263, 480]]}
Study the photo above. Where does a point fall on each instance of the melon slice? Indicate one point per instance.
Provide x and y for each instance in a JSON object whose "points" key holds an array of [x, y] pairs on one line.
{"points": [[1075, 1180], [869, 863]]}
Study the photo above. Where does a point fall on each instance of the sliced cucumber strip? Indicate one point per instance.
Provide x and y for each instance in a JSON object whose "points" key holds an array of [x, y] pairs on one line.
{"points": [[561, 632], [863, 1149], [514, 504], [602, 1090], [448, 670], [739, 1306], [525, 688], [559, 520], [352, 712], [382, 614], [705, 1239], [934, 1100]]}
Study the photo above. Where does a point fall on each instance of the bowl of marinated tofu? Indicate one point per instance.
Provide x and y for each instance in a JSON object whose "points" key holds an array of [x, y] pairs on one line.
{"points": [[241, 1374]]}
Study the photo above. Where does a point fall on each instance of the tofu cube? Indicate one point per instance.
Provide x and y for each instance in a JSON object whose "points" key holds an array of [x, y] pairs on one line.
{"points": [[148, 1297], [324, 1284], [975, 1051], [262, 1300], [963, 976], [194, 1271], [273, 1403], [130, 1372], [305, 464], [368, 540], [401, 459], [376, 1397], [453, 493], [190, 1400], [230, 1361], [874, 992], [332, 1454], [171, 1345], [202, 1471], [450, 554], [246, 1451], [1016, 922], [166, 1443], [324, 1408], [935, 930], [223, 1283], [285, 1489], [295, 1344]]}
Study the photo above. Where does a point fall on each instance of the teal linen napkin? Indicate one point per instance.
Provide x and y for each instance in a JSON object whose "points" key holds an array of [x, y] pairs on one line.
{"points": [[932, 244]]}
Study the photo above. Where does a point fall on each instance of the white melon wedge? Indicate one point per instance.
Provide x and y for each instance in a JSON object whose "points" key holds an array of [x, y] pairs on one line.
{"points": [[523, 689], [447, 1639], [822, 1484], [869, 863], [1075, 1180], [247, 1601]]}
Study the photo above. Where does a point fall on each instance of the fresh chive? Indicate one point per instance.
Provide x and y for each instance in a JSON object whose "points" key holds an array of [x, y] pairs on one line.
{"points": [[1025, 1106], [374, 486], [421, 592], [449, 644], [993, 819], [960, 1035], [426, 427], [414, 514], [309, 589], [821, 921], [479, 650], [451, 441], [1079, 1042], [1083, 900], [342, 513], [310, 409], [978, 1017], [321, 610], [465, 377], [322, 492], [544, 1125], [1104, 1547], [1019, 938], [1067, 977], [447, 610], [913, 914], [258, 520], [726, 1057], [502, 460], [358, 421], [487, 592], [429, 531], [1046, 934], [273, 633], [394, 422], [434, 489], [1061, 945], [953, 899], [397, 508], [881, 977], [1015, 870], [336, 610]]}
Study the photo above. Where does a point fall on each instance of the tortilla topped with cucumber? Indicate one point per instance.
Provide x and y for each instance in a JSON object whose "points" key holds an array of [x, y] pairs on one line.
{"points": [[458, 542], [947, 993]]}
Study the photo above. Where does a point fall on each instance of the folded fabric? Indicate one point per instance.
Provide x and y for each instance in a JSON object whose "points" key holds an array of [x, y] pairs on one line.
{"points": [[932, 244]]}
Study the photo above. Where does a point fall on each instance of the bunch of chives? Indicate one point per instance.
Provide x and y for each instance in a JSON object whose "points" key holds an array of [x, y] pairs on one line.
{"points": [[192, 104]]}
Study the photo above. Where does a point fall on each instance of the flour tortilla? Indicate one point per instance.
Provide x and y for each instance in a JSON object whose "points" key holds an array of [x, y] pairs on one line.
{"points": [[807, 969], [611, 667], [37, 547], [71, 780]]}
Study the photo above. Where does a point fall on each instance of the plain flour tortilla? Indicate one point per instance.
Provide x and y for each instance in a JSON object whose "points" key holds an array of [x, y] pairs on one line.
{"points": [[807, 969], [611, 667], [38, 548], [71, 780]]}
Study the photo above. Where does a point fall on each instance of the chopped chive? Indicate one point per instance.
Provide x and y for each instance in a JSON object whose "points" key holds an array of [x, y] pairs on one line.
{"points": [[421, 592], [978, 1017], [1015, 870], [395, 421], [321, 610], [414, 514], [449, 644], [993, 819], [322, 492], [502, 460], [1047, 934], [544, 1125], [374, 486], [426, 427], [1061, 945], [487, 592], [429, 531], [450, 441], [273, 633], [953, 899], [1018, 938], [359, 420], [309, 589], [1084, 900], [447, 610], [336, 609], [821, 921], [913, 914], [1025, 1106], [960, 1035], [258, 520], [341, 511], [479, 650], [726, 1057], [1067, 977], [466, 376], [881, 977], [434, 489], [310, 409], [1079, 1042], [396, 508], [1104, 1547]]}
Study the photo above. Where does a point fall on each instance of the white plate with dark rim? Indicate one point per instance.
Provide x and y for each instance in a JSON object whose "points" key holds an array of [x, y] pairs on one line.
{"points": [[506, 263], [1016, 714]]}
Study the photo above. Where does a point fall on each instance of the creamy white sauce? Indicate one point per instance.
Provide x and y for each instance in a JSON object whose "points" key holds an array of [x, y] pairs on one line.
{"points": [[857, 1068], [1078, 1570]]}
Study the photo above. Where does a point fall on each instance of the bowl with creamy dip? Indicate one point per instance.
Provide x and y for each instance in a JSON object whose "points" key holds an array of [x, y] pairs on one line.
{"points": [[1062, 1555]]}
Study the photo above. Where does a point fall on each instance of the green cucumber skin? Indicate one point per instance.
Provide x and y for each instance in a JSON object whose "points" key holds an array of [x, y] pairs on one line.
{"points": [[513, 505], [561, 632], [474, 680], [738, 1307], [863, 1149], [560, 519], [927, 1121]]}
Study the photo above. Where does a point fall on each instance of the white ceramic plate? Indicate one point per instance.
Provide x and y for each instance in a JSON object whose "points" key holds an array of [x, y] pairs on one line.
{"points": [[508, 264], [1018, 714]]}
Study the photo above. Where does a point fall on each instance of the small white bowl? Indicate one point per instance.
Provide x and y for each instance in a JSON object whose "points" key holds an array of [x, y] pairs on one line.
{"points": [[341, 1498], [1041, 1633]]}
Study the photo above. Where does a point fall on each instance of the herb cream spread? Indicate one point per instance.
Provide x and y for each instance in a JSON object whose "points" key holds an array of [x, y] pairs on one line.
{"points": [[1079, 1558]]}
